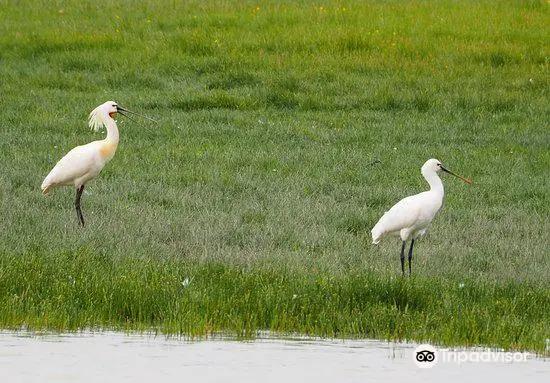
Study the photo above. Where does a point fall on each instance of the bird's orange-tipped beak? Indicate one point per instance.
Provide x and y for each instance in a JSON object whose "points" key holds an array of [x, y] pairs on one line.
{"points": [[467, 180]]}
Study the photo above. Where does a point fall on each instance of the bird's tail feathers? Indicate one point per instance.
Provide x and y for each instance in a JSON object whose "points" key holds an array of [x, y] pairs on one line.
{"points": [[376, 235], [45, 189], [47, 184]]}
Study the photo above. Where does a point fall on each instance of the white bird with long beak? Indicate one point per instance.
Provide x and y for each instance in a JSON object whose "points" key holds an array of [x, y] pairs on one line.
{"points": [[411, 216], [85, 162]]}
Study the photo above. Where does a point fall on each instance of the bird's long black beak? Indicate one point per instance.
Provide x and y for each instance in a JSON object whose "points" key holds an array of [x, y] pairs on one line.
{"points": [[468, 181], [121, 110]]}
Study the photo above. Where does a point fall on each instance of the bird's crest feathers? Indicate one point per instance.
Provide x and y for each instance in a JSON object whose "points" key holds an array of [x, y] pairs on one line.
{"points": [[96, 119]]}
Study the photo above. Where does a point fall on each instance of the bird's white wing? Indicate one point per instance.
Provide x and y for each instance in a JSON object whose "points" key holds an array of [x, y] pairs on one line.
{"points": [[403, 214], [77, 163]]}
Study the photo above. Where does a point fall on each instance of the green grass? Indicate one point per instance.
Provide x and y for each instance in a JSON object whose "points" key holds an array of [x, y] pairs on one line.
{"points": [[255, 182], [85, 289]]}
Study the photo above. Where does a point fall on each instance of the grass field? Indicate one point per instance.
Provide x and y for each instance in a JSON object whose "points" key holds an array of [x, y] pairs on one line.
{"points": [[255, 186]]}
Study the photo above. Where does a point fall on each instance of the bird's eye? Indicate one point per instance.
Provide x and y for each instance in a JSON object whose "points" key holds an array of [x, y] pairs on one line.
{"points": [[439, 165]]}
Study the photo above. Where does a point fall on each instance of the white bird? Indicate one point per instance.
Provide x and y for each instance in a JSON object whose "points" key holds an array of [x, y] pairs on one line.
{"points": [[85, 162], [411, 216]]}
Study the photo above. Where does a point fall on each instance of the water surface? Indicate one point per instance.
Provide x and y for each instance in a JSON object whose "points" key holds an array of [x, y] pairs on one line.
{"points": [[116, 357]]}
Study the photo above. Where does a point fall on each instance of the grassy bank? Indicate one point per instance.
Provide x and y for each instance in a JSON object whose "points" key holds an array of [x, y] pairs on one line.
{"points": [[86, 290], [254, 183]]}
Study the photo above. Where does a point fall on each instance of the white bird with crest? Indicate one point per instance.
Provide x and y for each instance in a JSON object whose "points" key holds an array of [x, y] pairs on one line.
{"points": [[85, 162], [411, 216]]}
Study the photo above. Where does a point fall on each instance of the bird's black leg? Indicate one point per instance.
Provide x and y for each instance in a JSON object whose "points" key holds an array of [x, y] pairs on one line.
{"points": [[77, 205], [403, 257], [410, 256]]}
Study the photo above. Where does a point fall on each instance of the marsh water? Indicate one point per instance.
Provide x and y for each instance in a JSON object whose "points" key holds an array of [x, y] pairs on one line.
{"points": [[117, 357]]}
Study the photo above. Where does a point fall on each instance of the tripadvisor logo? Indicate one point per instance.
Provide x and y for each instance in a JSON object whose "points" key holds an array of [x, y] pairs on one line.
{"points": [[425, 356]]}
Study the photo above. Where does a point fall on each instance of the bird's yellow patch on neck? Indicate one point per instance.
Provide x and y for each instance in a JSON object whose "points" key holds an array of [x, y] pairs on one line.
{"points": [[107, 150]]}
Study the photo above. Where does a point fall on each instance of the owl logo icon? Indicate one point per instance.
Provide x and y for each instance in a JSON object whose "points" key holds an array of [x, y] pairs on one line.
{"points": [[425, 356]]}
